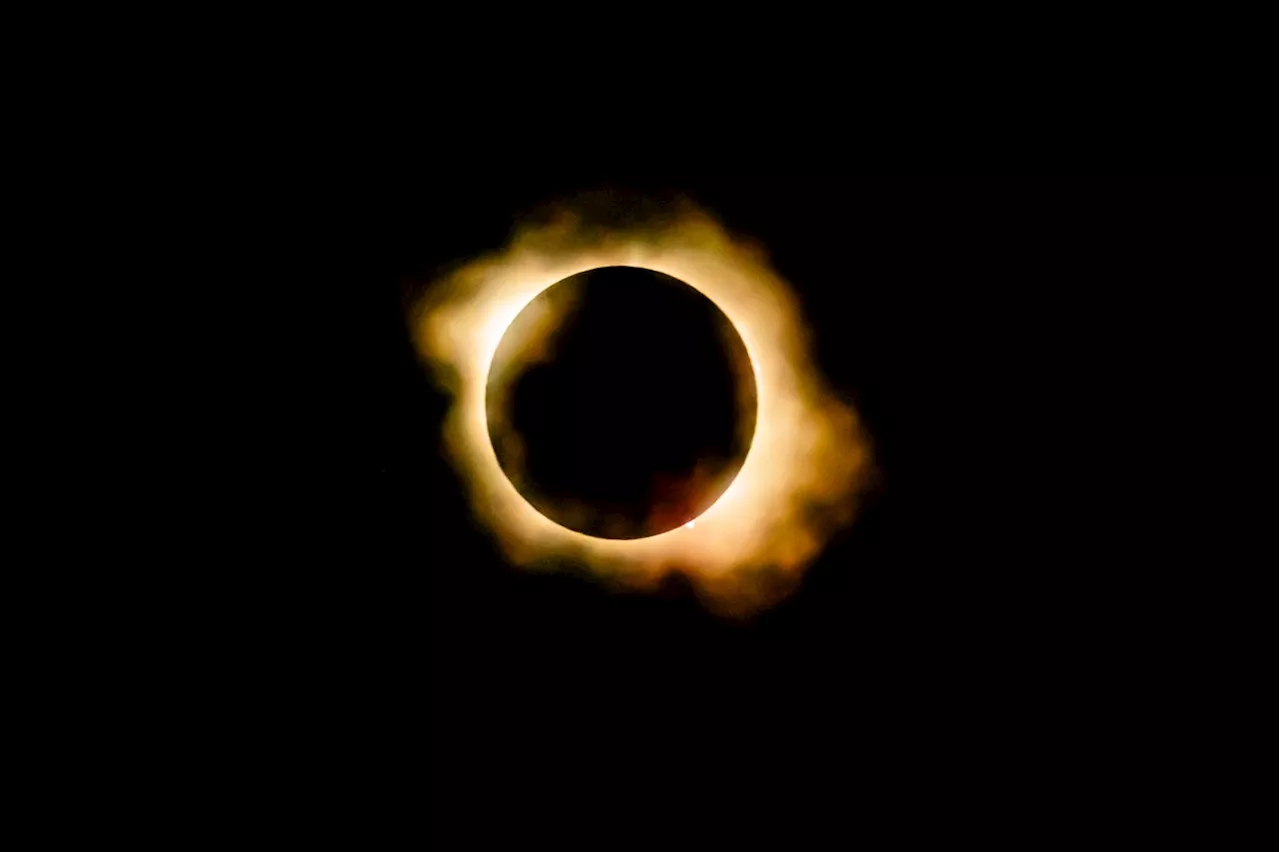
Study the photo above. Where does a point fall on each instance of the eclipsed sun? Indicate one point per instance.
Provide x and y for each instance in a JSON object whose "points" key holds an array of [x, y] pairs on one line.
{"points": [[808, 456]]}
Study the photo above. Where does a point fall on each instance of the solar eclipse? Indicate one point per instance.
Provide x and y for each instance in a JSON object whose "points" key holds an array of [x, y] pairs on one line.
{"points": [[761, 483]]}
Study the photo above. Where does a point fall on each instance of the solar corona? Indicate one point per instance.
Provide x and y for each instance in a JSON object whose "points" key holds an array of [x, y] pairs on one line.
{"points": [[743, 540]]}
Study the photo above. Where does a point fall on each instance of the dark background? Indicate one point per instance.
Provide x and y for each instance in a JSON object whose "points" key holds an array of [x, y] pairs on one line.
{"points": [[991, 645]]}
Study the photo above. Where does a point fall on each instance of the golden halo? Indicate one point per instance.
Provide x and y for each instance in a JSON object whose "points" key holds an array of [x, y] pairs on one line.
{"points": [[807, 457]]}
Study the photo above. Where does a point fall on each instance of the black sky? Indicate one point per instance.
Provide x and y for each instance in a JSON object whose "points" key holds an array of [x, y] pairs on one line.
{"points": [[983, 644]]}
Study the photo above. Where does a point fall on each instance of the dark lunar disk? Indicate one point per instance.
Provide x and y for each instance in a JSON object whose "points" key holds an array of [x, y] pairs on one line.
{"points": [[633, 415]]}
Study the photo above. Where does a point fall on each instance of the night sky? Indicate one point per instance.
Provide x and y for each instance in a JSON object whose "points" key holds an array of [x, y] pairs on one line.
{"points": [[984, 646]]}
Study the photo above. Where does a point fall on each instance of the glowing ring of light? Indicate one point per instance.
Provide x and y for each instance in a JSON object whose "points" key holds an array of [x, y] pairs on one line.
{"points": [[543, 322], [807, 457]]}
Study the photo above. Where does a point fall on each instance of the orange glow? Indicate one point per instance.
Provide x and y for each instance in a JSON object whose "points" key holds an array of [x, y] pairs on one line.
{"points": [[808, 456]]}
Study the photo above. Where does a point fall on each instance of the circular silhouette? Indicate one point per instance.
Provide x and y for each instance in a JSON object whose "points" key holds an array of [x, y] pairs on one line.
{"points": [[621, 402]]}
